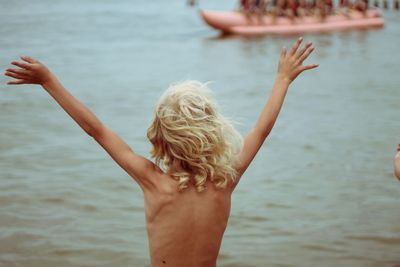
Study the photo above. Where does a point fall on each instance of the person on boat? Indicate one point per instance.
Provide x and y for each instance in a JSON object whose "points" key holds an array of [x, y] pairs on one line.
{"points": [[397, 163], [344, 7], [320, 9], [329, 7], [311, 4], [245, 7], [291, 9], [258, 8], [361, 6], [311, 7], [199, 157], [303, 9], [278, 9], [344, 4]]}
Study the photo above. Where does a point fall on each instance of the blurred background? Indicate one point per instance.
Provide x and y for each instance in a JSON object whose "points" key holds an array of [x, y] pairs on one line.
{"points": [[321, 192]]}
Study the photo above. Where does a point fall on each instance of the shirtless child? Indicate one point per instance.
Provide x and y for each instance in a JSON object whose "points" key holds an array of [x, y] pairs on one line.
{"points": [[199, 158]]}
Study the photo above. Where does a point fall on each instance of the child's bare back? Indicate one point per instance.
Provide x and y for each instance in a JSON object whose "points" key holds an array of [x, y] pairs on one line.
{"points": [[199, 158], [186, 228]]}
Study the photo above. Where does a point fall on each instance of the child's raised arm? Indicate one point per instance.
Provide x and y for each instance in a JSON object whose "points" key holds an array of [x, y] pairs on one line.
{"points": [[31, 71], [290, 66]]}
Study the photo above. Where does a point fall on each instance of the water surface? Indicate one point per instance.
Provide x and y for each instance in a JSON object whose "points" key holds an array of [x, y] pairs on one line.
{"points": [[320, 193]]}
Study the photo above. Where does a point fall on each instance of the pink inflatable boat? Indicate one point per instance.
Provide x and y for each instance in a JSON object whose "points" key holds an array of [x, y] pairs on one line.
{"points": [[237, 23]]}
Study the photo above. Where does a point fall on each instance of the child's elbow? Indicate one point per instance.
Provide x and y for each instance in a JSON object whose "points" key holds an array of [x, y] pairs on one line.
{"points": [[91, 132], [95, 132]]}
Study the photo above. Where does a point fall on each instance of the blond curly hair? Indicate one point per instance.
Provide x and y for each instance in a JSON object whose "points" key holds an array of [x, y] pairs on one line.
{"points": [[191, 141]]}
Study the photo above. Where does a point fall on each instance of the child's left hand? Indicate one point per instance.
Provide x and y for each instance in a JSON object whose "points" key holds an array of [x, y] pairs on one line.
{"points": [[28, 71], [291, 63]]}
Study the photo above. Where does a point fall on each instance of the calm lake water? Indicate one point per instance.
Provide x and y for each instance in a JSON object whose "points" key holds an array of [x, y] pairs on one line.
{"points": [[321, 192]]}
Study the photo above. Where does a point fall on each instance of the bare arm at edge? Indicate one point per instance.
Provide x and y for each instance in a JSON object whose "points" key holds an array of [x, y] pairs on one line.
{"points": [[397, 163]]}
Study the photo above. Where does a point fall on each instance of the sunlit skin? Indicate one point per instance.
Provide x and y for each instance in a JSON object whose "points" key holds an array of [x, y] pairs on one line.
{"points": [[185, 228], [397, 163]]}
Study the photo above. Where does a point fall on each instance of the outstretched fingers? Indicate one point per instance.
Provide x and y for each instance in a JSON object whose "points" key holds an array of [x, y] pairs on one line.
{"points": [[18, 71], [309, 67], [22, 65], [18, 81], [16, 75], [27, 71], [304, 49], [296, 46], [20, 75], [305, 54], [29, 59], [283, 53]]}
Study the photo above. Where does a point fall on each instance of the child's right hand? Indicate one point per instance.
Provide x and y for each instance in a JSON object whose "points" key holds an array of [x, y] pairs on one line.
{"points": [[28, 71], [291, 64]]}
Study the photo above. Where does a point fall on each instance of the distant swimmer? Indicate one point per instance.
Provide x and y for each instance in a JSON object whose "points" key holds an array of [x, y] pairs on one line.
{"points": [[199, 157], [397, 163]]}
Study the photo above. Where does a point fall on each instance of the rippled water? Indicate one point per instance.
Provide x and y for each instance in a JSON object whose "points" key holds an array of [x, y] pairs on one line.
{"points": [[320, 193]]}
